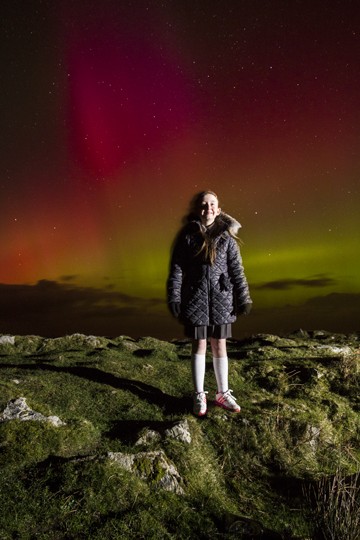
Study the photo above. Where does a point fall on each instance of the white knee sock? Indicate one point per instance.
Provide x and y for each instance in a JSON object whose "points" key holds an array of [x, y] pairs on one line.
{"points": [[198, 371], [221, 368]]}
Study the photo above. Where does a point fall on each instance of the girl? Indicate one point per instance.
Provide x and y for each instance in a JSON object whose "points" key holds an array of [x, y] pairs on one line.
{"points": [[207, 288]]}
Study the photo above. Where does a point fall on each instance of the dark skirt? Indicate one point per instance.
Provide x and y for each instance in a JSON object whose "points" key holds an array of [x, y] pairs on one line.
{"points": [[217, 331]]}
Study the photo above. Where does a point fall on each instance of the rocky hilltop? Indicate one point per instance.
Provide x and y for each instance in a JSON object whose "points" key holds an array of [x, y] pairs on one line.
{"points": [[97, 440]]}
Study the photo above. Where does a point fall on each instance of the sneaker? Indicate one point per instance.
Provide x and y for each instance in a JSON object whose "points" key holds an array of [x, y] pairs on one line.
{"points": [[200, 403], [227, 401]]}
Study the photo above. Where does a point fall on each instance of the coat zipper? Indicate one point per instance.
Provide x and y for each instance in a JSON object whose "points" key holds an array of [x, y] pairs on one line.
{"points": [[209, 288]]}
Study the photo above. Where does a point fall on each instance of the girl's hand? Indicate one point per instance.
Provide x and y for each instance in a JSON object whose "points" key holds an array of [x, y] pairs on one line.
{"points": [[244, 309], [175, 309]]}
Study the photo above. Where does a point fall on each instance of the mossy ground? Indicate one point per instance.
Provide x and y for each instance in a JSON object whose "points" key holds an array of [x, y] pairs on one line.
{"points": [[244, 476]]}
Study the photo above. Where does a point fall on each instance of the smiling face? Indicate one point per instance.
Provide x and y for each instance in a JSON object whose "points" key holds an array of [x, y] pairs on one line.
{"points": [[209, 209]]}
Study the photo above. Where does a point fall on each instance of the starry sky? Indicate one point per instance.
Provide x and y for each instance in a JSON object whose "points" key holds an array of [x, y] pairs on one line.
{"points": [[115, 113]]}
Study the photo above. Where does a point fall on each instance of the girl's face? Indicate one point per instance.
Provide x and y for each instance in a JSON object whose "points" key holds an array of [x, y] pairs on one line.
{"points": [[209, 209]]}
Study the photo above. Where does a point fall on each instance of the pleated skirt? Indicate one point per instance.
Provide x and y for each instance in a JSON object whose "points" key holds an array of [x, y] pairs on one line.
{"points": [[217, 331]]}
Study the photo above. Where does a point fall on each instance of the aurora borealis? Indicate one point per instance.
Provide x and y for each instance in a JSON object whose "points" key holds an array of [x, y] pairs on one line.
{"points": [[115, 113]]}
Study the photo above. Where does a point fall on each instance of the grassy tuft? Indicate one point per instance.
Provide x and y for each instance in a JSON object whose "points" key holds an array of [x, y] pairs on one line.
{"points": [[335, 504]]}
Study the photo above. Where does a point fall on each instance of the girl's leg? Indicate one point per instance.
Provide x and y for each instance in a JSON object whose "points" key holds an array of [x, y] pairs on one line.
{"points": [[220, 362], [198, 364], [223, 397]]}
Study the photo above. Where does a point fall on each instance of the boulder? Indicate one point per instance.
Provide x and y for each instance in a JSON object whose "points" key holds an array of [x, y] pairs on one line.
{"points": [[180, 432]]}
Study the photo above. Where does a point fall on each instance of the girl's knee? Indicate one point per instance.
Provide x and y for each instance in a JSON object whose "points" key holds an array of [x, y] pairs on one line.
{"points": [[199, 346], [218, 347]]}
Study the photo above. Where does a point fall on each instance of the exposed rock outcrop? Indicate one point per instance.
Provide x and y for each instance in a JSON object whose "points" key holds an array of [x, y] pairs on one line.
{"points": [[18, 409], [154, 467]]}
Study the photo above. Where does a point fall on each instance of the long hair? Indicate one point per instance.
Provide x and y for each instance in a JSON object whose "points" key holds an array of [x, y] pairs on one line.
{"points": [[208, 248]]}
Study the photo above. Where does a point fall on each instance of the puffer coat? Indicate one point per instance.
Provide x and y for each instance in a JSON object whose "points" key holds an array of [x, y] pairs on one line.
{"points": [[209, 294]]}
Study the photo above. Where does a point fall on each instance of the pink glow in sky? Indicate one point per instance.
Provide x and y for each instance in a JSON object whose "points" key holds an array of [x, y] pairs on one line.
{"points": [[115, 114]]}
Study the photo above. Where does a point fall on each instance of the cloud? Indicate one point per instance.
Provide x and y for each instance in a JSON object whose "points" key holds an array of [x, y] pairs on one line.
{"points": [[46, 292], [335, 312], [317, 281], [51, 308], [54, 308], [69, 277]]}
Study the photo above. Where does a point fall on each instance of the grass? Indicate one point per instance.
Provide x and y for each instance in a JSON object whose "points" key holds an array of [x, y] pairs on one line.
{"points": [[335, 503], [242, 474]]}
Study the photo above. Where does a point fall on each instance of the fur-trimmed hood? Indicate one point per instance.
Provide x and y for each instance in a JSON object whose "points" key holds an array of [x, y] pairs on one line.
{"points": [[232, 225], [223, 222]]}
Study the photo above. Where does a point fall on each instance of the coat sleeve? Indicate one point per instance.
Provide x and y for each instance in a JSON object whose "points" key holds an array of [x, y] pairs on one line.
{"points": [[175, 279], [237, 275]]}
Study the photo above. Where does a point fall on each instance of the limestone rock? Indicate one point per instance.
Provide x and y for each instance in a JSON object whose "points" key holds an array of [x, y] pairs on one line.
{"points": [[180, 431], [154, 467], [148, 437], [336, 350], [18, 409], [7, 340]]}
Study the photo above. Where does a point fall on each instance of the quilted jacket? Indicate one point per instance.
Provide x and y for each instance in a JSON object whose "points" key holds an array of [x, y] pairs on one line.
{"points": [[208, 294]]}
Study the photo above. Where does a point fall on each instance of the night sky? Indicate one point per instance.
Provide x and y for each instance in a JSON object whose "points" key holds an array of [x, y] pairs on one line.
{"points": [[115, 113]]}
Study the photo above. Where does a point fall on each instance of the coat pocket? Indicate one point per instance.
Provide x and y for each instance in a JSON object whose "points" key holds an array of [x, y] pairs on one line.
{"points": [[224, 283]]}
